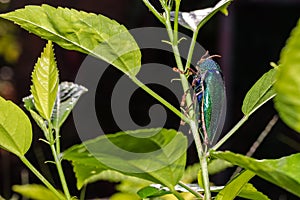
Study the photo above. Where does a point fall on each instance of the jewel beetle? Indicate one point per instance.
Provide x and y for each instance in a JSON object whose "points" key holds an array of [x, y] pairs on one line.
{"points": [[209, 90]]}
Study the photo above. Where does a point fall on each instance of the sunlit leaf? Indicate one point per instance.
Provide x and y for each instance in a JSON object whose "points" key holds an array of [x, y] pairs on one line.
{"points": [[235, 186], [124, 196], [15, 128], [29, 105], [157, 155], [191, 173], [287, 86], [88, 33], [35, 191], [132, 184], [215, 166], [260, 93], [45, 82], [149, 191], [250, 192], [284, 172], [67, 97]]}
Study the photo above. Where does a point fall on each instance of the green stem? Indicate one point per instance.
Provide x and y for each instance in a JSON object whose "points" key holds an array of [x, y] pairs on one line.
{"points": [[184, 81], [57, 140], [191, 49], [197, 139], [185, 85], [174, 42], [154, 11], [175, 37], [41, 177], [177, 195], [230, 133], [82, 193], [205, 178], [193, 123], [195, 193], [55, 148], [160, 99], [60, 172]]}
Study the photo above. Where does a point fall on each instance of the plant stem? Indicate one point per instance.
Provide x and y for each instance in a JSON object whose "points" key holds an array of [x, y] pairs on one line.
{"points": [[57, 140], [258, 141], [41, 177], [191, 49], [82, 193], [230, 133], [197, 140], [205, 178], [55, 148], [175, 37], [177, 195], [60, 172], [184, 81], [154, 11], [195, 193], [160, 99], [262, 136], [185, 85]]}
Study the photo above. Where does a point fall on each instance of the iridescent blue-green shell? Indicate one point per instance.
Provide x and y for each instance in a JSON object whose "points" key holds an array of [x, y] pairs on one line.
{"points": [[214, 97]]}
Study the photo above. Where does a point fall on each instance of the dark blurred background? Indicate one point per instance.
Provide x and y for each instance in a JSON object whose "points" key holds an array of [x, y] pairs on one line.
{"points": [[248, 39]]}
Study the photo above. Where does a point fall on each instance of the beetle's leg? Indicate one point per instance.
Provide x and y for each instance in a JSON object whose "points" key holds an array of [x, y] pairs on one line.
{"points": [[188, 72]]}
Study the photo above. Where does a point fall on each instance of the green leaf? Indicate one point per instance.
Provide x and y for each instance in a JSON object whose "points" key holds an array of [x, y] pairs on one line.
{"points": [[45, 82], [284, 172], [29, 105], [217, 166], [35, 191], [128, 184], [67, 97], [194, 20], [15, 128], [157, 155], [250, 192], [247, 190], [233, 188], [149, 191], [124, 196], [110, 175], [224, 11], [132, 184], [287, 101], [220, 6], [191, 173], [88, 33], [261, 92]]}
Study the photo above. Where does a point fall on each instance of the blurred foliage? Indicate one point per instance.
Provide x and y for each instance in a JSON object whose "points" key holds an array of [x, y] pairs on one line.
{"points": [[10, 48], [128, 186]]}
